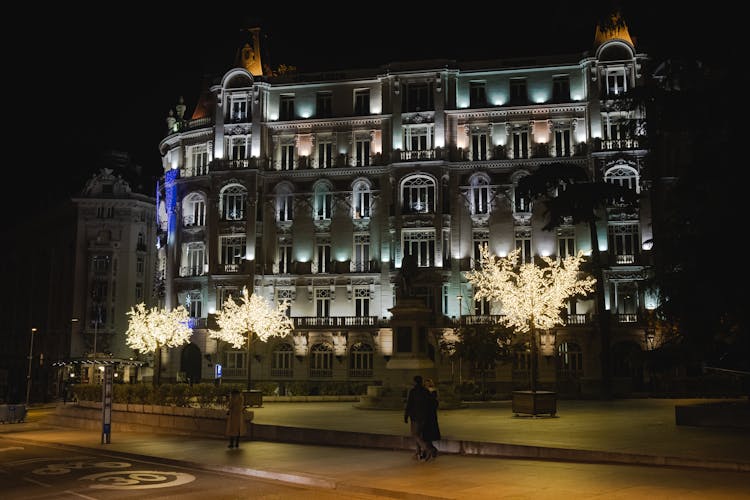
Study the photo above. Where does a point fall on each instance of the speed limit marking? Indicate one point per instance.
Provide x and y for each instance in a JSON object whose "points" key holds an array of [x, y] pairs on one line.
{"points": [[137, 479]]}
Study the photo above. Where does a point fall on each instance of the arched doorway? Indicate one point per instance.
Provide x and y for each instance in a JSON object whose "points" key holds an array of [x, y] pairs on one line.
{"points": [[190, 363]]}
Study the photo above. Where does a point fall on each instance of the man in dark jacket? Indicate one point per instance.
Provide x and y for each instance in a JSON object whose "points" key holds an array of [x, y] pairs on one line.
{"points": [[417, 409]]}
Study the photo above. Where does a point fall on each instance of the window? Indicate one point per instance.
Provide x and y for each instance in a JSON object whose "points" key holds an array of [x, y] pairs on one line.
{"points": [[232, 249], [228, 291], [561, 88], [286, 107], [477, 95], [418, 97], [420, 245], [139, 265], [480, 195], [323, 302], [562, 142], [521, 203], [281, 360], [569, 360], [139, 292], [233, 202], [479, 145], [238, 110], [418, 138], [482, 307], [616, 82], [362, 152], [518, 93], [194, 211], [362, 102], [105, 212], [623, 242], [523, 243], [480, 239], [566, 243], [361, 200], [322, 202], [323, 257], [520, 144], [235, 360], [623, 175], [360, 360], [287, 156], [321, 360], [194, 303], [237, 148], [285, 257], [325, 153], [361, 302], [323, 104], [361, 252], [284, 207], [196, 258], [199, 159], [418, 195]]}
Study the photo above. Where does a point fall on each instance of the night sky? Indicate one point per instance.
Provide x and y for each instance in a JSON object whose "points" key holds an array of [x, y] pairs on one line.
{"points": [[112, 75]]}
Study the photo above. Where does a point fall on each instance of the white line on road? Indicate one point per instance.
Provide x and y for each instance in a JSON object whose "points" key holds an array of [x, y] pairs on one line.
{"points": [[80, 495], [37, 482]]}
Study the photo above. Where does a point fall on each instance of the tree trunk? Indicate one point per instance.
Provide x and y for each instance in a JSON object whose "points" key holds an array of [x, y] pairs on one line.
{"points": [[602, 314], [534, 365], [157, 367], [249, 364]]}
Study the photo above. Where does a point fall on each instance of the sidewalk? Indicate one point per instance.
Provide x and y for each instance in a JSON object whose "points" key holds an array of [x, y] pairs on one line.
{"points": [[628, 427]]}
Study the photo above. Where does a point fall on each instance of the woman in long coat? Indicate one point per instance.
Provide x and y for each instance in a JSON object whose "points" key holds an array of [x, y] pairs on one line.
{"points": [[431, 429], [236, 425]]}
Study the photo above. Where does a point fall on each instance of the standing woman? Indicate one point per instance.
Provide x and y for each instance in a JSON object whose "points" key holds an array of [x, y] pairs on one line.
{"points": [[236, 426]]}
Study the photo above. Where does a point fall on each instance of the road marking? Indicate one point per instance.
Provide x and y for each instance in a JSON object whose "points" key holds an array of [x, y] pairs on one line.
{"points": [[80, 495], [11, 448], [137, 479], [36, 482]]}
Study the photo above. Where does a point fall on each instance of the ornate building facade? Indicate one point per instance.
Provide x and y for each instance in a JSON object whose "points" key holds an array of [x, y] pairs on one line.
{"points": [[312, 188]]}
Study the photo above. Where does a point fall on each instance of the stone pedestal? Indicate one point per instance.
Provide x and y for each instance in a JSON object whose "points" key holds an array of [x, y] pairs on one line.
{"points": [[535, 402]]}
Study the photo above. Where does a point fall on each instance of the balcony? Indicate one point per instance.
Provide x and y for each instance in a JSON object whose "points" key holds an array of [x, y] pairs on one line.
{"points": [[625, 259], [576, 319], [336, 321], [185, 125], [282, 372], [626, 317], [619, 144], [186, 272], [424, 154], [321, 373], [195, 323], [360, 373]]}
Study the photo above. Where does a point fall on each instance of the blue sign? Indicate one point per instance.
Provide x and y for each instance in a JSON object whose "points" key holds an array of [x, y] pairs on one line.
{"points": [[217, 370]]}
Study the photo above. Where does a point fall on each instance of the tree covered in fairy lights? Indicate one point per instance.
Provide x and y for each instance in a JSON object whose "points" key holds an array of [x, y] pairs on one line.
{"points": [[151, 329], [532, 296], [252, 316]]}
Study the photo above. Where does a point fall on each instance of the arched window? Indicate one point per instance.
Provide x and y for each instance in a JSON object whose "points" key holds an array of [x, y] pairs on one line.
{"points": [[281, 360], [284, 202], [194, 211], [361, 199], [233, 198], [569, 360], [322, 201], [624, 175], [418, 194], [360, 360], [479, 200], [321, 360]]}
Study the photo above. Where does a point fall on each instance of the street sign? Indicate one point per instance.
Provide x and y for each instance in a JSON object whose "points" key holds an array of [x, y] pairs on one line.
{"points": [[107, 403]]}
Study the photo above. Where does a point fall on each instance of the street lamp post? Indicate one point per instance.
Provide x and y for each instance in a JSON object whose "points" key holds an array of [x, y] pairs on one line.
{"points": [[28, 375]]}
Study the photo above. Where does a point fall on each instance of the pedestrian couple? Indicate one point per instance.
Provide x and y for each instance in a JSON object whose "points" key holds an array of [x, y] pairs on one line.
{"points": [[421, 411]]}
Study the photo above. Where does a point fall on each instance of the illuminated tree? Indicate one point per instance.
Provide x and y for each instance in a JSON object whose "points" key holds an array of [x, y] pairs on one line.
{"points": [[253, 315], [151, 329], [532, 297]]}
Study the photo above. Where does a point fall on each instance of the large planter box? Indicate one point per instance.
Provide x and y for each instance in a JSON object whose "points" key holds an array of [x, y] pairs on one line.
{"points": [[534, 402], [252, 397], [12, 413]]}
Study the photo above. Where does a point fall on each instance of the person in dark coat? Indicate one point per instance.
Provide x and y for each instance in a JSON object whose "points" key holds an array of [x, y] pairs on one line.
{"points": [[236, 425], [431, 430], [416, 411]]}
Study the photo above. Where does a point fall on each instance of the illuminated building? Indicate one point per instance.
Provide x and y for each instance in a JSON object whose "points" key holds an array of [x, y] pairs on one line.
{"points": [[312, 187]]}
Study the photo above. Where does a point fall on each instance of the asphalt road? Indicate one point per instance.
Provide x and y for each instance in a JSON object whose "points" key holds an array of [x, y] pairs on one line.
{"points": [[34, 471]]}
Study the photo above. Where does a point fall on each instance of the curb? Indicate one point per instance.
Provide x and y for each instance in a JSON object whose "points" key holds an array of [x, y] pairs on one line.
{"points": [[327, 437]]}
